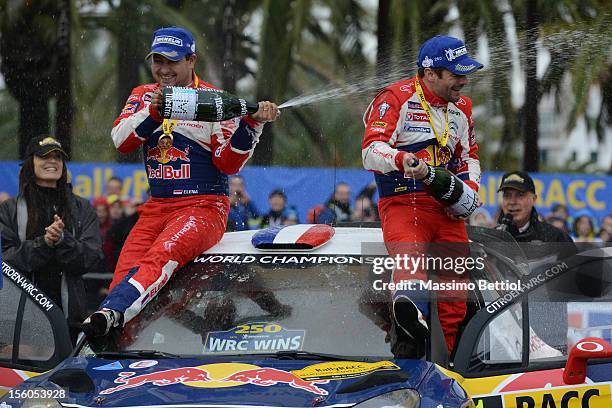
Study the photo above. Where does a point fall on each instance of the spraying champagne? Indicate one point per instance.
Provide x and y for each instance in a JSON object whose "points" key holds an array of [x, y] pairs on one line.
{"points": [[205, 105]]}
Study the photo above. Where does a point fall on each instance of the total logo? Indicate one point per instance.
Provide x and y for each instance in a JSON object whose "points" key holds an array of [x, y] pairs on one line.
{"points": [[417, 116], [217, 376]]}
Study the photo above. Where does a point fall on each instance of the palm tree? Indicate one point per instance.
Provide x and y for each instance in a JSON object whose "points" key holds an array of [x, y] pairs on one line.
{"points": [[315, 50], [64, 106], [530, 108], [28, 50]]}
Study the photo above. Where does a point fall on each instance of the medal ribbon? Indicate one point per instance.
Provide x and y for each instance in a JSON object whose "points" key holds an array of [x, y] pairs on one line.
{"points": [[441, 140]]}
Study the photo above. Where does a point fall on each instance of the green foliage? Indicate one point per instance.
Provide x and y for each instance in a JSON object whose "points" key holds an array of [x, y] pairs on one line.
{"points": [[8, 126], [286, 48]]}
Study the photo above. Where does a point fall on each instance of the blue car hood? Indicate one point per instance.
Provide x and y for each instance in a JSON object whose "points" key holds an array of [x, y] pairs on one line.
{"points": [[237, 382]]}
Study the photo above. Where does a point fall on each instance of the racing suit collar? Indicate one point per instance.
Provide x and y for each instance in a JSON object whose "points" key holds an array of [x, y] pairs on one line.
{"points": [[431, 98]]}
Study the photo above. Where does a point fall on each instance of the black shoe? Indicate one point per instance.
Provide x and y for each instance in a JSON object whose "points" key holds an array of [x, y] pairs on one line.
{"points": [[100, 322], [410, 319]]}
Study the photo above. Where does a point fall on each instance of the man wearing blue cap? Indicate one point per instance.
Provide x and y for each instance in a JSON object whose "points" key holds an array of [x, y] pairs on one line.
{"points": [[187, 164], [423, 120]]}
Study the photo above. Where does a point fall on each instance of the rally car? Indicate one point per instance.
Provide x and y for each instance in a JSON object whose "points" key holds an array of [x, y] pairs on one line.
{"points": [[297, 316]]}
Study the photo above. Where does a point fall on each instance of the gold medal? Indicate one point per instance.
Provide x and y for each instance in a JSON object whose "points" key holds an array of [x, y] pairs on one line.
{"points": [[443, 155]]}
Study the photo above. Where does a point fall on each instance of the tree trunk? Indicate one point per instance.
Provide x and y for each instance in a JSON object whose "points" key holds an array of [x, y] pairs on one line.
{"points": [[64, 110], [274, 63], [228, 77], [383, 37], [530, 130], [129, 57], [33, 120]]}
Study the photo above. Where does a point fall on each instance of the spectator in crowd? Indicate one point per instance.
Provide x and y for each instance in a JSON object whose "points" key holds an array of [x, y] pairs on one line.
{"points": [[242, 210], [313, 213], [605, 234], [520, 218], [122, 226], [365, 210], [4, 196], [49, 234], [338, 207], [584, 228], [186, 215], [518, 201], [558, 223], [291, 218], [559, 211], [115, 207], [279, 211], [606, 222], [481, 218], [369, 191], [114, 185], [101, 207]]}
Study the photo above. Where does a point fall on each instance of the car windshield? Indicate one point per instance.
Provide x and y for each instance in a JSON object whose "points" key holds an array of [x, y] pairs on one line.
{"points": [[246, 304]]}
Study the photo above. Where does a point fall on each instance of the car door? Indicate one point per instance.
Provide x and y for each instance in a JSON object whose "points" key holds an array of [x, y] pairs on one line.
{"points": [[33, 330], [513, 352]]}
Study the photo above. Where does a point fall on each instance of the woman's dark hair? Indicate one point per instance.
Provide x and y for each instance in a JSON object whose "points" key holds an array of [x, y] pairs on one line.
{"points": [[37, 203]]}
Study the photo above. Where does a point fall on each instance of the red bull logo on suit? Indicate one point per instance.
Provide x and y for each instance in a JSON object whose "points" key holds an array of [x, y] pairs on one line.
{"points": [[166, 172]]}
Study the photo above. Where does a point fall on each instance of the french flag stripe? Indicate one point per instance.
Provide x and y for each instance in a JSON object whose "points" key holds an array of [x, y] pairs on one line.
{"points": [[267, 235], [12, 377], [316, 235], [291, 234]]}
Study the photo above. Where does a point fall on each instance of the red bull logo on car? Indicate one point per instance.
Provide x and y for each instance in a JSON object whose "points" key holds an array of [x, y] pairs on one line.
{"points": [[159, 378], [217, 376]]}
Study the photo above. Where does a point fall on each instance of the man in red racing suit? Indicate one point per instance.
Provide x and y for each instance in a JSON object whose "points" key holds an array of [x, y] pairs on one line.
{"points": [[423, 118], [187, 164]]}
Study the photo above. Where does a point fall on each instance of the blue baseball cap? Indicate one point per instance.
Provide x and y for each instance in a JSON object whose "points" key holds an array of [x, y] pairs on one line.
{"points": [[449, 53], [173, 43]]}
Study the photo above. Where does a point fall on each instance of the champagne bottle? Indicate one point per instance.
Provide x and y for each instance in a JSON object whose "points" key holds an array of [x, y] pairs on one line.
{"points": [[449, 189], [205, 105]]}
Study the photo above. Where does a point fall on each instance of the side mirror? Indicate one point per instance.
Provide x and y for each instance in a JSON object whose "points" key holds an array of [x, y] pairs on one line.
{"points": [[585, 349]]}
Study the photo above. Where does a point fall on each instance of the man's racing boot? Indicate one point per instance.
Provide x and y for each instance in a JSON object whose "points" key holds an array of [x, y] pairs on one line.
{"points": [[101, 322], [410, 312]]}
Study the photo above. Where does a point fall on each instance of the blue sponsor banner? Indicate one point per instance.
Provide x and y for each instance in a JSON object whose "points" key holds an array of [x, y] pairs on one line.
{"points": [[307, 187]]}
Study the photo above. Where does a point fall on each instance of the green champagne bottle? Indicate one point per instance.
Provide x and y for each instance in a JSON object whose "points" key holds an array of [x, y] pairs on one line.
{"points": [[450, 190], [203, 105]]}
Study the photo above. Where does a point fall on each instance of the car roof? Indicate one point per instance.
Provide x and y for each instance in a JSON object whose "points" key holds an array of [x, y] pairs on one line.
{"points": [[346, 241]]}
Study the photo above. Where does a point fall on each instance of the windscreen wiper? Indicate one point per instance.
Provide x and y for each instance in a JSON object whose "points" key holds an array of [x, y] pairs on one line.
{"points": [[136, 354]]}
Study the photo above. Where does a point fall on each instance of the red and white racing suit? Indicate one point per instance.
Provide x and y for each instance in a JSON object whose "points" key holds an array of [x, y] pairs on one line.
{"points": [[188, 208], [396, 123]]}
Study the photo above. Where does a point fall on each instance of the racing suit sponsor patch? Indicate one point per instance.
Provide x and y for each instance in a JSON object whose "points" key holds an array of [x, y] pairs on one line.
{"points": [[382, 109], [419, 129], [417, 117], [414, 105]]}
